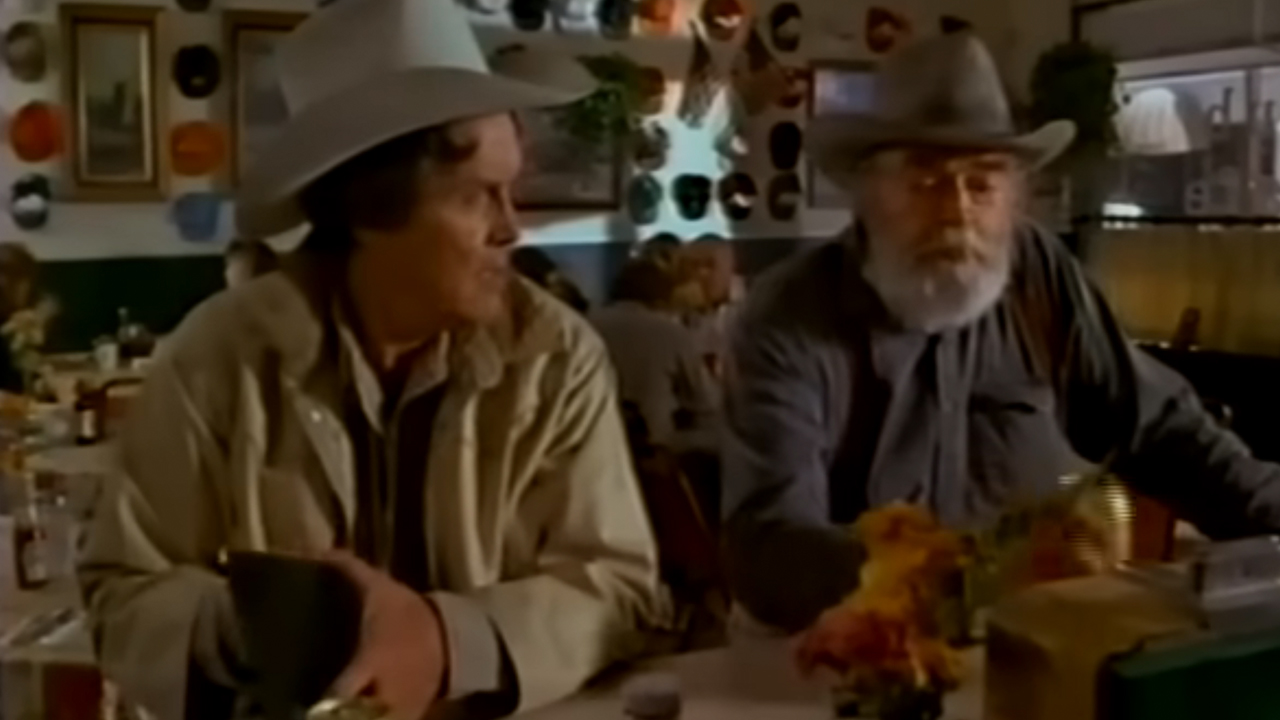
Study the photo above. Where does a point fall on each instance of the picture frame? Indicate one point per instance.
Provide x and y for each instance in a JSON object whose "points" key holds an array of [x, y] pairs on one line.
{"points": [[836, 87], [115, 97], [255, 106], [558, 175]]}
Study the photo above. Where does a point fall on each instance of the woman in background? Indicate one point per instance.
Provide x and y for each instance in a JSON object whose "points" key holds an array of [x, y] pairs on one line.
{"points": [[22, 321], [660, 371], [245, 260]]}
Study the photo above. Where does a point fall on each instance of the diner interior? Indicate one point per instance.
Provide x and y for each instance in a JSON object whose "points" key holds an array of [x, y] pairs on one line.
{"points": [[663, 210]]}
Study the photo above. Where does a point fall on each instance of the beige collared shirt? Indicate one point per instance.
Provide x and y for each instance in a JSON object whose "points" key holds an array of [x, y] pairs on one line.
{"points": [[387, 430]]}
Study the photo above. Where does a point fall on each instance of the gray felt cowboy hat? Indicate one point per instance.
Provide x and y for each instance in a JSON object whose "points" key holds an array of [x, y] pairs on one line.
{"points": [[361, 72], [944, 92]]}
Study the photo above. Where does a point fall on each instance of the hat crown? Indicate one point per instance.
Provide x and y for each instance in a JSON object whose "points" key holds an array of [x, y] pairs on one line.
{"points": [[353, 41], [949, 81]]}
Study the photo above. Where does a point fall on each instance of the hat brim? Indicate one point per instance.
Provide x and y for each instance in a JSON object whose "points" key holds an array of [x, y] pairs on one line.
{"points": [[838, 143], [336, 129]]}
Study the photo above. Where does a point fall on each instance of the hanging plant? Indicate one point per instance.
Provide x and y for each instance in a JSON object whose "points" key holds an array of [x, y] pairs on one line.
{"points": [[1076, 81], [610, 114]]}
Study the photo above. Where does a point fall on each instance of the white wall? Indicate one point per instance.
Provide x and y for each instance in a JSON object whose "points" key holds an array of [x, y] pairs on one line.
{"points": [[1017, 30]]}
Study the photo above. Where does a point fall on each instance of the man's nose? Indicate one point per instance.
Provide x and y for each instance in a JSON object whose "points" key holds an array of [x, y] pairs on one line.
{"points": [[951, 201], [506, 227]]}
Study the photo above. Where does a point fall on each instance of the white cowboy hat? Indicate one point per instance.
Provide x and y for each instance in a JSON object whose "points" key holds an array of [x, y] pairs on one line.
{"points": [[362, 72], [943, 92]]}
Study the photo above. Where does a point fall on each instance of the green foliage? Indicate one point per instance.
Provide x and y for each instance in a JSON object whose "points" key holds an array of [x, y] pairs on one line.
{"points": [[612, 111], [1076, 81]]}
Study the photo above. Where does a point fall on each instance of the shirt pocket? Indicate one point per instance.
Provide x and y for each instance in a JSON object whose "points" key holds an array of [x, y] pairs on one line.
{"points": [[1017, 450]]}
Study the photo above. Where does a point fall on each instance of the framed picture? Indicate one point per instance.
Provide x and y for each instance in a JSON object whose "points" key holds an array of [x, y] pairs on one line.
{"points": [[112, 89], [256, 106], [837, 88], [559, 175]]}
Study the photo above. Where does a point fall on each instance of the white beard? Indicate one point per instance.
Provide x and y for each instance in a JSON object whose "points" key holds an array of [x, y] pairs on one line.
{"points": [[945, 293]]}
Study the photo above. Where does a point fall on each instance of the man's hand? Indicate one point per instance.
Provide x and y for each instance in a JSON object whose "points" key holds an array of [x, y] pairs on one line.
{"points": [[402, 660]]}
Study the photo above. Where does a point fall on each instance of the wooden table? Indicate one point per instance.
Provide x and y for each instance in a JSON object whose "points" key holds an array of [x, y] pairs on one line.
{"points": [[751, 679]]}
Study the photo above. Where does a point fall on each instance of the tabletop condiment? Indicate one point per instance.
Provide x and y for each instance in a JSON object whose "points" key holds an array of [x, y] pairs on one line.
{"points": [[30, 534], [90, 410]]}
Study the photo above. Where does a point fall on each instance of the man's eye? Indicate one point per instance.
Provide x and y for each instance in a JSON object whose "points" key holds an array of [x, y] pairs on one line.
{"points": [[979, 184]]}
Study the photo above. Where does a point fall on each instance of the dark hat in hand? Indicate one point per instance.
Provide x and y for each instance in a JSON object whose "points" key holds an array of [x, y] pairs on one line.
{"points": [[784, 196], [785, 25], [738, 195], [693, 196], [644, 198], [197, 71]]}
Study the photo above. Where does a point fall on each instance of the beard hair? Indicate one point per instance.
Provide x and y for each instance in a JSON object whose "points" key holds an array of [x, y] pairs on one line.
{"points": [[952, 284]]}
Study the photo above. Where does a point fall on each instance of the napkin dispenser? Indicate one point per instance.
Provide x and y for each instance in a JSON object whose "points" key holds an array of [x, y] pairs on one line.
{"points": [[1190, 640]]}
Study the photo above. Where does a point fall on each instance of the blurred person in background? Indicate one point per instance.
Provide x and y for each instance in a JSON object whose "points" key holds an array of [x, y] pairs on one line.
{"points": [[246, 259], [710, 262], [660, 370], [946, 352], [662, 250], [22, 322], [536, 265], [397, 402]]}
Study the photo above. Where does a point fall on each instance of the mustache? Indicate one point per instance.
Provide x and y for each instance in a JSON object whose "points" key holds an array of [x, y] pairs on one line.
{"points": [[954, 245]]}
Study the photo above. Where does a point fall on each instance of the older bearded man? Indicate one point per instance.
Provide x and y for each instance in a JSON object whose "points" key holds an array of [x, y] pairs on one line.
{"points": [[944, 352]]}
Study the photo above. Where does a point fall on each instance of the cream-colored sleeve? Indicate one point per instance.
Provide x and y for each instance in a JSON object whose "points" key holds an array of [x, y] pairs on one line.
{"points": [[154, 606], [598, 587]]}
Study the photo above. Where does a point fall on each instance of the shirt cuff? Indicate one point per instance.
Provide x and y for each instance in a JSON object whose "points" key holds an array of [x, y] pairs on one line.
{"points": [[475, 651]]}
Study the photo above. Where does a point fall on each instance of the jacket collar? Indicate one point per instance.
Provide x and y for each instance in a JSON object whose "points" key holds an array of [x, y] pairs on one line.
{"points": [[301, 327]]}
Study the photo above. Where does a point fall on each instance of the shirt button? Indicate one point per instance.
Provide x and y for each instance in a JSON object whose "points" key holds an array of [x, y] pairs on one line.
{"points": [[316, 417]]}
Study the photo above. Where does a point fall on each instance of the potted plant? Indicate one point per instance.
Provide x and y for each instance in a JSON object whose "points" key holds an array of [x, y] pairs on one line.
{"points": [[610, 115]]}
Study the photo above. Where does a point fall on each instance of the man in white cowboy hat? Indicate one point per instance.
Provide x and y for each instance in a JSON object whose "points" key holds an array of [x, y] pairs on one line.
{"points": [[395, 401], [944, 351]]}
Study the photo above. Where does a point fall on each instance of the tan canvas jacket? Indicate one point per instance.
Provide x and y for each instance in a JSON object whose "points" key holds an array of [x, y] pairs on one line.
{"points": [[236, 442]]}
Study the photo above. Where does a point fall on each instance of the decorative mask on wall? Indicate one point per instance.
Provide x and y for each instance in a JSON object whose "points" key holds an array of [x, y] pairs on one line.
{"points": [[197, 71], [644, 199], [196, 215], [738, 195], [785, 24], [693, 196], [197, 148], [886, 29], [35, 132], [29, 201], [25, 52], [784, 196]]}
